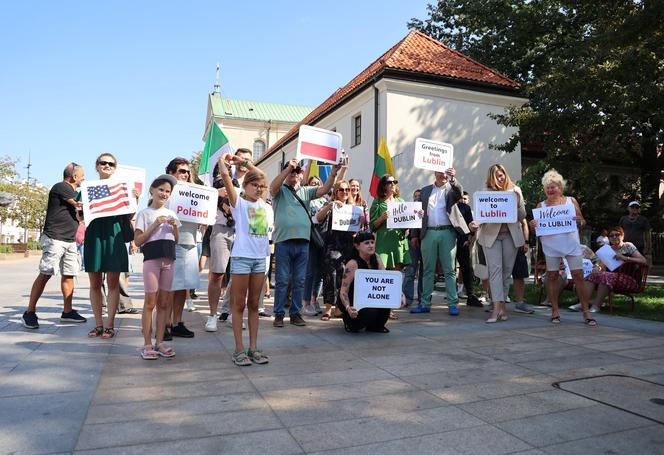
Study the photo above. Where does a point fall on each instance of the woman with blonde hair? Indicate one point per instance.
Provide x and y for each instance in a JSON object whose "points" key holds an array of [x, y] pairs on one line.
{"points": [[566, 245], [500, 242]]}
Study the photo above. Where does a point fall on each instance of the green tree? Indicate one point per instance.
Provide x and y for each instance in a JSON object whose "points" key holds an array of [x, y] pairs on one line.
{"points": [[594, 77]]}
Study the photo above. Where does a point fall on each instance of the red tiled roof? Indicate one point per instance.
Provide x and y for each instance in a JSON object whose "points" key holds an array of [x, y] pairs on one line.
{"points": [[416, 53]]}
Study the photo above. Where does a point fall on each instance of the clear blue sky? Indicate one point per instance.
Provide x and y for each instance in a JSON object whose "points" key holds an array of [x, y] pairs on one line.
{"points": [[132, 77]]}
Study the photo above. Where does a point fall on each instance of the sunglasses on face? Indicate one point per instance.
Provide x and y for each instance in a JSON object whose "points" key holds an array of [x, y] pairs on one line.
{"points": [[614, 235], [392, 182], [183, 171], [106, 163]]}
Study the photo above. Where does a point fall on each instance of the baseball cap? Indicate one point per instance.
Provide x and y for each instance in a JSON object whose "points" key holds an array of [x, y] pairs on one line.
{"points": [[171, 179], [634, 204]]}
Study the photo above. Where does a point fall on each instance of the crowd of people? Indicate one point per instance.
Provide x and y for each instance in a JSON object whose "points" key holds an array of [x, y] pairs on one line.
{"points": [[290, 225]]}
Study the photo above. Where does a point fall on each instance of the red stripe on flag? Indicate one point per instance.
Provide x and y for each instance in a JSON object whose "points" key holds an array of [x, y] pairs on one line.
{"points": [[319, 151], [112, 208], [108, 200]]}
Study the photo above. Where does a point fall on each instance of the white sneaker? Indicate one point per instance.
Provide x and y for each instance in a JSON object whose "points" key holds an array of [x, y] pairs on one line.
{"points": [[507, 299], [575, 307], [309, 310], [229, 321], [211, 324], [483, 298], [189, 303]]}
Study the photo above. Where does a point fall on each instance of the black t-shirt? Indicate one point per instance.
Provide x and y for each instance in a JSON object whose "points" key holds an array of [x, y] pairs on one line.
{"points": [[61, 222]]}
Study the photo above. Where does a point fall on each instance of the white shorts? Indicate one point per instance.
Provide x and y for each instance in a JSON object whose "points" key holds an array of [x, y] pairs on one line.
{"points": [[59, 257], [185, 274], [221, 244]]}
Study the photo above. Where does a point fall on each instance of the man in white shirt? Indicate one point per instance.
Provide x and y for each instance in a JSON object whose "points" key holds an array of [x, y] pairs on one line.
{"points": [[438, 238]]}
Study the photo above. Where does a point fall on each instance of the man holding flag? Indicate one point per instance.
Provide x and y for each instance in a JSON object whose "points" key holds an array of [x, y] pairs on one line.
{"points": [[291, 236]]}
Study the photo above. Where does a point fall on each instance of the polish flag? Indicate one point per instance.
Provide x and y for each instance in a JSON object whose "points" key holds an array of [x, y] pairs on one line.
{"points": [[318, 144]]}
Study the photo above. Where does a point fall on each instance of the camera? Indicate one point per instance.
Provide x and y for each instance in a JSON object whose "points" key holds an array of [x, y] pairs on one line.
{"points": [[219, 183]]}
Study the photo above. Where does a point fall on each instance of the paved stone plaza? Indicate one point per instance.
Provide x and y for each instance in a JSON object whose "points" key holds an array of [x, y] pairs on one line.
{"points": [[433, 385]]}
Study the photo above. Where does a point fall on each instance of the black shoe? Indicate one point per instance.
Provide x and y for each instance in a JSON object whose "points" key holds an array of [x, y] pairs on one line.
{"points": [[278, 320], [192, 294], [223, 317], [471, 300], [72, 316], [181, 331], [30, 320], [297, 320], [378, 329], [167, 334]]}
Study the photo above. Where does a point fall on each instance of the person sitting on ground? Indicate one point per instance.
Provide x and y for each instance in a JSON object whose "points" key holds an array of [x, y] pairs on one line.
{"points": [[606, 280], [363, 257]]}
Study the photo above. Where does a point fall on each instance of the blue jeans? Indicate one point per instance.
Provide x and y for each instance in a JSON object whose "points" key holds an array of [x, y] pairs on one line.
{"points": [[313, 281], [409, 272], [291, 258]]}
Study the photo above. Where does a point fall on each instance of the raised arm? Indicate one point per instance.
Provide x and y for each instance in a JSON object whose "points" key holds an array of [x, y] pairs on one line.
{"points": [[226, 177], [275, 185], [327, 186]]}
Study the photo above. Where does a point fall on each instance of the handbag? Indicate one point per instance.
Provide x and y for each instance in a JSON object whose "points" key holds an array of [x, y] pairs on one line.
{"points": [[126, 227], [315, 237]]}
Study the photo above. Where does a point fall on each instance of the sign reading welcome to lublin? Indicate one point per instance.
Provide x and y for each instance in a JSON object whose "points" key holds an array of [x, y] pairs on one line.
{"points": [[558, 219], [432, 155], [194, 203], [377, 289], [495, 206]]}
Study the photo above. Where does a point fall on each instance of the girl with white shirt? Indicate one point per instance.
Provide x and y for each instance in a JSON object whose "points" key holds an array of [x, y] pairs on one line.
{"points": [[253, 218]]}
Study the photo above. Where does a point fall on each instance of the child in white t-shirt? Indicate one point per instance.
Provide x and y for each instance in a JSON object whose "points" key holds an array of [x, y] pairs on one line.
{"points": [[253, 217], [156, 232]]}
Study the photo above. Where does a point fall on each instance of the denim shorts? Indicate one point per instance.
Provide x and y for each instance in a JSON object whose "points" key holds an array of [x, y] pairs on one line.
{"points": [[245, 266]]}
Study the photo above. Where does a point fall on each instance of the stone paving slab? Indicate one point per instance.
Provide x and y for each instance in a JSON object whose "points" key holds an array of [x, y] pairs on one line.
{"points": [[434, 384]]}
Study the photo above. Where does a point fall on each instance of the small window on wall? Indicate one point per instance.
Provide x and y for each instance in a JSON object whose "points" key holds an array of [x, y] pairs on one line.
{"points": [[259, 148], [357, 130]]}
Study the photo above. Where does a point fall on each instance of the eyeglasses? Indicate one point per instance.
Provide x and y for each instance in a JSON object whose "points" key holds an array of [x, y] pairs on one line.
{"points": [[614, 235], [258, 186], [106, 163], [392, 182], [184, 171], [345, 190]]}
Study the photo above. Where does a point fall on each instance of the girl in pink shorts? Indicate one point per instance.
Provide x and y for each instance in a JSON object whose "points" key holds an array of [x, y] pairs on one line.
{"points": [[157, 234]]}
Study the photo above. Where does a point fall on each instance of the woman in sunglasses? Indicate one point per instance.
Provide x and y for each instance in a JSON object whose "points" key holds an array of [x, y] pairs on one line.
{"points": [[338, 245], [607, 281], [391, 244], [105, 252]]}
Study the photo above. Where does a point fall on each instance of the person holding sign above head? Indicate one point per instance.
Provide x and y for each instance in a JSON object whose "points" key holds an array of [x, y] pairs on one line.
{"points": [[611, 279], [559, 210], [391, 244], [291, 236], [157, 234], [338, 244], [363, 257], [438, 238], [253, 218], [500, 242]]}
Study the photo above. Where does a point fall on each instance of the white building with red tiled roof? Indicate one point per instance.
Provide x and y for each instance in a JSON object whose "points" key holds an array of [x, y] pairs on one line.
{"points": [[418, 88]]}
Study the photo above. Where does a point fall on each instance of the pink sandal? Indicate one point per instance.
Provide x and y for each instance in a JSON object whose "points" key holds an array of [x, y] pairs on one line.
{"points": [[164, 350], [148, 353]]}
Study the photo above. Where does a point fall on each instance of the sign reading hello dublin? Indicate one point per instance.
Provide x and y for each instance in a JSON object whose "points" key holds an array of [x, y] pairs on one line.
{"points": [[432, 155], [495, 206]]}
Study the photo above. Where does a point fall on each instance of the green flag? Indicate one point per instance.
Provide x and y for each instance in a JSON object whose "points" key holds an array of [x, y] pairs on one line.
{"points": [[216, 145]]}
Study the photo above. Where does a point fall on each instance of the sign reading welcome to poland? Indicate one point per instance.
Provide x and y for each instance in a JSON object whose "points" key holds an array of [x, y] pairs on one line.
{"points": [[558, 219], [495, 206], [404, 215], [377, 289], [318, 144], [432, 155], [194, 203]]}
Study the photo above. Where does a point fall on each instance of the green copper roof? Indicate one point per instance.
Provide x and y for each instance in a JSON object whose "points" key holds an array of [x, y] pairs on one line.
{"points": [[257, 110]]}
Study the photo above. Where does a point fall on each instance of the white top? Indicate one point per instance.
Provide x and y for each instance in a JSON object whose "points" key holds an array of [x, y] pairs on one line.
{"points": [[147, 216], [561, 245], [436, 207], [253, 221]]}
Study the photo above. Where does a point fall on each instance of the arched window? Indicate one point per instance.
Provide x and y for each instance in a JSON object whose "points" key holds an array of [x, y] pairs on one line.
{"points": [[259, 148]]}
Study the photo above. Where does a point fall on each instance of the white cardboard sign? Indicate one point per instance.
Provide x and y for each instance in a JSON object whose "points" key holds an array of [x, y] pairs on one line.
{"points": [[104, 198], [558, 219], [587, 267], [495, 206], [346, 218], [607, 255], [377, 289], [432, 155], [318, 144], [135, 175], [194, 203], [404, 215]]}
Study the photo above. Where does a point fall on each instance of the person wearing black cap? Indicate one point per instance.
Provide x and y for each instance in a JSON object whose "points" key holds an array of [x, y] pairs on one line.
{"points": [[363, 257], [637, 228]]}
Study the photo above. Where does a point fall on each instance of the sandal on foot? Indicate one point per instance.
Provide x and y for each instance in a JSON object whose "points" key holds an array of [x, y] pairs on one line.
{"points": [[109, 332], [164, 350], [148, 353], [257, 356], [555, 320], [590, 322], [96, 332], [326, 316], [241, 359], [393, 315]]}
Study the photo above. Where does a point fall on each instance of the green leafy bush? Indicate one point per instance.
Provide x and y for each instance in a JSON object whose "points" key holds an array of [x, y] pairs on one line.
{"points": [[6, 249]]}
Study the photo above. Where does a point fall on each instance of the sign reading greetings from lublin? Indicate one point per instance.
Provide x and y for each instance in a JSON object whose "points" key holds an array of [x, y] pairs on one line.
{"points": [[432, 155]]}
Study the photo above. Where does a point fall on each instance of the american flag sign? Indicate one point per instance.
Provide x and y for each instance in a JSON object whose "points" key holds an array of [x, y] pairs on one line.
{"points": [[103, 198]]}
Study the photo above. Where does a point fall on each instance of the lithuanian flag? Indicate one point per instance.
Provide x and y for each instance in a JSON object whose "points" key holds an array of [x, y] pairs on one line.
{"points": [[382, 165]]}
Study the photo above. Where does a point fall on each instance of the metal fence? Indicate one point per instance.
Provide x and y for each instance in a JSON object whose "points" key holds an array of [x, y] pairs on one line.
{"points": [[657, 247]]}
